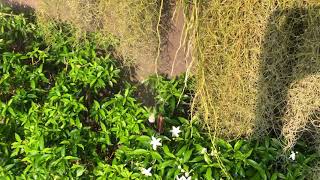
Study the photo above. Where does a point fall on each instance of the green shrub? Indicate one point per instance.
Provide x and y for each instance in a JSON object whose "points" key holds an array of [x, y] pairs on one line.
{"points": [[66, 113]]}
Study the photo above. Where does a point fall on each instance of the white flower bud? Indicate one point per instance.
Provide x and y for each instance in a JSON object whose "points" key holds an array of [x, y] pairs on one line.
{"points": [[152, 118]]}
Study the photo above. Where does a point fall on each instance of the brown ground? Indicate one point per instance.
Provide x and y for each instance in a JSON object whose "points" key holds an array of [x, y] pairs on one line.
{"points": [[170, 62], [26, 3], [175, 59]]}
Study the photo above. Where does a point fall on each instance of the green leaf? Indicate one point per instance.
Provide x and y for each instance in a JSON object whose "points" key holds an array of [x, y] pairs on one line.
{"points": [[187, 155], [156, 155], [33, 84], [170, 173], [267, 142], [172, 104], [165, 164], [11, 111], [17, 137], [41, 143], [182, 150], [139, 152], [81, 146], [15, 152], [257, 167], [183, 120], [281, 176], [8, 167], [248, 154], [238, 145], [167, 151], [103, 114], [208, 174], [207, 159], [80, 171], [274, 176], [126, 93], [197, 159], [71, 158], [65, 142], [225, 144], [103, 127], [3, 78]]}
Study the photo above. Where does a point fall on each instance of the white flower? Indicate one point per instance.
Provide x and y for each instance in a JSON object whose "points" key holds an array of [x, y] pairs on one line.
{"points": [[204, 150], [146, 172], [213, 152], [183, 178], [152, 118], [175, 131], [292, 155], [155, 142]]}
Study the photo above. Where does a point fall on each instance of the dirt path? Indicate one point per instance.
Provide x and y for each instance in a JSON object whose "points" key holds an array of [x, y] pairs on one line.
{"points": [[25, 3], [174, 58]]}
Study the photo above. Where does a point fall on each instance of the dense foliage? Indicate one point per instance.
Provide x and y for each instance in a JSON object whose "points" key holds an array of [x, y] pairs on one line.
{"points": [[66, 112]]}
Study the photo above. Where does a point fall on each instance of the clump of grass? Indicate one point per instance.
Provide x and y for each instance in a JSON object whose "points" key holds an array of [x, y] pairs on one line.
{"points": [[257, 69], [228, 48], [290, 63], [303, 110], [248, 54], [303, 97]]}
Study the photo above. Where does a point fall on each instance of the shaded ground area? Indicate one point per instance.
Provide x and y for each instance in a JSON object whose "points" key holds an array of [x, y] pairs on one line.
{"points": [[173, 58]]}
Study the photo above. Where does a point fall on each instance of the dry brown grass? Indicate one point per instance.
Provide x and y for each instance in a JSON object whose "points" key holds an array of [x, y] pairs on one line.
{"points": [[302, 109], [303, 97], [249, 54], [229, 63]]}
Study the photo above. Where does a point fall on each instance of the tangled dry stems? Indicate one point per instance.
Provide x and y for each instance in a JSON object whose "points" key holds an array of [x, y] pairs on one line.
{"points": [[249, 55], [303, 109]]}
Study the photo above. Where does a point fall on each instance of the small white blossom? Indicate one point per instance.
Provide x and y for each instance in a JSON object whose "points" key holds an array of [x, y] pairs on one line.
{"points": [[152, 118], [293, 155], [175, 131], [180, 178], [146, 172], [213, 152], [204, 150], [183, 178], [155, 142], [186, 176]]}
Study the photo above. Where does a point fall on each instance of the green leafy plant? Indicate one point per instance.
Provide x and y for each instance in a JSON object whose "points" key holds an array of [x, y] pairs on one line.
{"points": [[66, 112]]}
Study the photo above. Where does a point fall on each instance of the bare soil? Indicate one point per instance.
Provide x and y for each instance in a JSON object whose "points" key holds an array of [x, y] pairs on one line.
{"points": [[24, 3], [174, 58]]}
